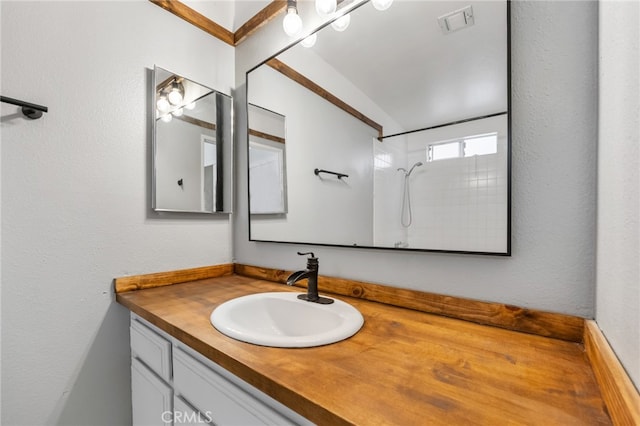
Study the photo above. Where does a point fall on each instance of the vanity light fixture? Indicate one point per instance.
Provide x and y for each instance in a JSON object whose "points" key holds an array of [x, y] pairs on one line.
{"points": [[171, 99], [176, 93], [163, 104], [326, 7], [381, 4], [341, 23], [292, 24]]}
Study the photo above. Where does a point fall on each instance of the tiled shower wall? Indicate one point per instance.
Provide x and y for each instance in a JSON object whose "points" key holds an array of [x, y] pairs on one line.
{"points": [[459, 203]]}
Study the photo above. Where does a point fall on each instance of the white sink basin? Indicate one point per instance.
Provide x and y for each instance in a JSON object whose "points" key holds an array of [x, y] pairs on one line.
{"points": [[282, 320]]}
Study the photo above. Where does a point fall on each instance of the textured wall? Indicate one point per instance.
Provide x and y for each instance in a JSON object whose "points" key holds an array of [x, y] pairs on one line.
{"points": [[554, 81], [618, 277], [75, 198], [314, 199]]}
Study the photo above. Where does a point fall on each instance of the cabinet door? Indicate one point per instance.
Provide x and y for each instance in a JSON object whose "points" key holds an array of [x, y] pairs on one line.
{"points": [[185, 415], [151, 397], [224, 402]]}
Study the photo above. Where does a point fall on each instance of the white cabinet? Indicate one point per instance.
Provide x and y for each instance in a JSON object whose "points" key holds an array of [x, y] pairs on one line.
{"points": [[151, 348], [186, 415], [174, 385], [151, 389], [151, 398], [218, 398]]}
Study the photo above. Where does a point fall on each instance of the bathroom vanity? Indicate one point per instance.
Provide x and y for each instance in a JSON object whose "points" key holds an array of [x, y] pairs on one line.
{"points": [[403, 367], [172, 384]]}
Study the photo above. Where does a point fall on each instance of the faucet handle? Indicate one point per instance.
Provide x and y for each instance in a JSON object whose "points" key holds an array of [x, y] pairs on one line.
{"points": [[312, 261], [309, 252]]}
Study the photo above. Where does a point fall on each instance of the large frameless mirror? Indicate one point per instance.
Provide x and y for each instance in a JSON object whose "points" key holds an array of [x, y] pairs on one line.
{"points": [[397, 130], [192, 146]]}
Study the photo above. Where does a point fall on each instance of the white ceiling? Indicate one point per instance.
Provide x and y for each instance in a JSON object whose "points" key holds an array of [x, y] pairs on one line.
{"points": [[401, 59], [231, 14], [419, 76]]}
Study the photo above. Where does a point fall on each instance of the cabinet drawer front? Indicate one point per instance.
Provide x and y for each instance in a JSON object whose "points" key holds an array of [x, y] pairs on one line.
{"points": [[224, 402], [151, 348], [151, 398]]}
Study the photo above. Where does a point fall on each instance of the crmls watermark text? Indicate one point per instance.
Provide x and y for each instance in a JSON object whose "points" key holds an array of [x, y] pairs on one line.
{"points": [[182, 417]]}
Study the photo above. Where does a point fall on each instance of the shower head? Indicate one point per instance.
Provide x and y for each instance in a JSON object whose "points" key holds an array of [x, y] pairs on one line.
{"points": [[407, 173], [418, 164]]}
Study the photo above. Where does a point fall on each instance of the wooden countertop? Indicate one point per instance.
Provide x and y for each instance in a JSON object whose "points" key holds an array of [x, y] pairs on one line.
{"points": [[404, 367]]}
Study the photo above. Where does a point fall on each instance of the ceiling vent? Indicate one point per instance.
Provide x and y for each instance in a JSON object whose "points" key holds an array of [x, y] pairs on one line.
{"points": [[456, 20]]}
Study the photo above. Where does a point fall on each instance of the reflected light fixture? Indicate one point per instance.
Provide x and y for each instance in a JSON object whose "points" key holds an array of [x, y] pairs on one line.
{"points": [[170, 99], [310, 40], [292, 24], [163, 104], [326, 7], [381, 4], [341, 23], [176, 93]]}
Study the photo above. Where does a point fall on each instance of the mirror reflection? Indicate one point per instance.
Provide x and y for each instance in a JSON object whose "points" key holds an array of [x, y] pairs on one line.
{"points": [[409, 127], [192, 146], [267, 173]]}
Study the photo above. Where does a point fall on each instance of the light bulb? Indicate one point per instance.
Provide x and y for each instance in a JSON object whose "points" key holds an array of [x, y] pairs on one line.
{"points": [[292, 23], [341, 23], [166, 118], [326, 7], [310, 40], [162, 104], [381, 4], [178, 112], [190, 106], [175, 97]]}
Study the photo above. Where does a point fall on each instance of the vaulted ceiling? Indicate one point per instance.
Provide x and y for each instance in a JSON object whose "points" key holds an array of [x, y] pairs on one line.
{"points": [[231, 14], [399, 58]]}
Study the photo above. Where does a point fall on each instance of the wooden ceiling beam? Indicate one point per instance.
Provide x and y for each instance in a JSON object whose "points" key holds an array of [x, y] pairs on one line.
{"points": [[294, 75], [261, 18]]}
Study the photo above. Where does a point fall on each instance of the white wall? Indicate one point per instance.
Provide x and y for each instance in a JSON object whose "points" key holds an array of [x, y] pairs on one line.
{"points": [[618, 267], [554, 80], [179, 150], [311, 144], [75, 198]]}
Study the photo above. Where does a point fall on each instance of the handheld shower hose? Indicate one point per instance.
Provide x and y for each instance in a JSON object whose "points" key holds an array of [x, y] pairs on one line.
{"points": [[405, 214]]}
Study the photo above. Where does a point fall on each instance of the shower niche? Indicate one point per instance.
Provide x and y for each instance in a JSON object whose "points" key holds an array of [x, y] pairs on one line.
{"points": [[422, 146]]}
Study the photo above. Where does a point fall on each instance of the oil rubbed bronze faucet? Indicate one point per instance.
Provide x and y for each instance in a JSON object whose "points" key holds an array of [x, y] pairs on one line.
{"points": [[311, 274]]}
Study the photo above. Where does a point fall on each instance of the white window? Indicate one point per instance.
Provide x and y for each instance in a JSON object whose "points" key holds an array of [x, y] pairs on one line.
{"points": [[463, 147], [481, 145], [442, 151]]}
